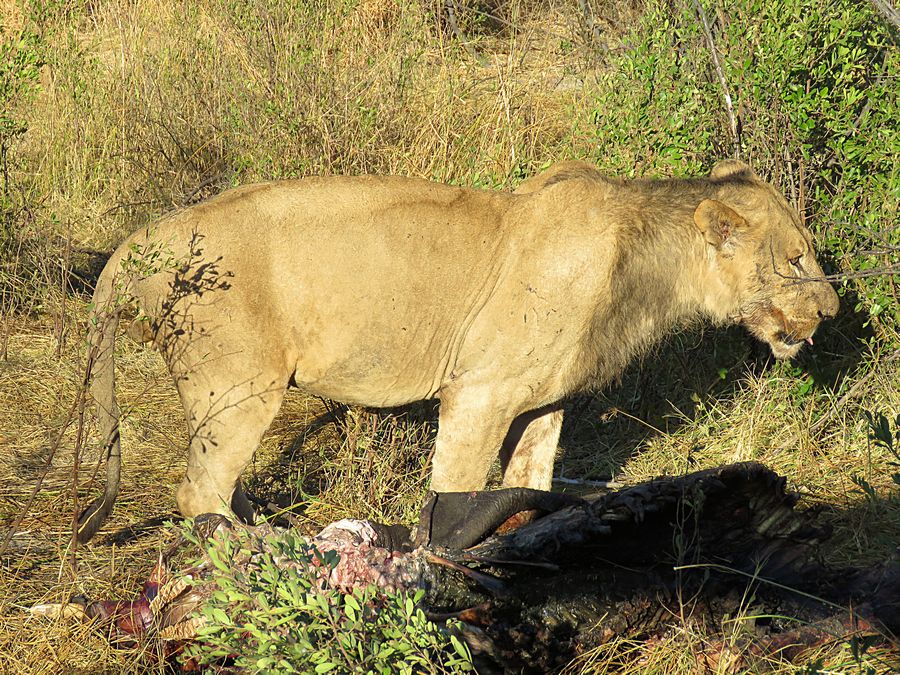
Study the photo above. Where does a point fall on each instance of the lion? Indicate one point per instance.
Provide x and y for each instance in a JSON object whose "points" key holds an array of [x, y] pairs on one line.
{"points": [[381, 291]]}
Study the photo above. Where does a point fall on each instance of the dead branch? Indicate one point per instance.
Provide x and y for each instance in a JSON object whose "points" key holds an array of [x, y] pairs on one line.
{"points": [[450, 8], [729, 107]]}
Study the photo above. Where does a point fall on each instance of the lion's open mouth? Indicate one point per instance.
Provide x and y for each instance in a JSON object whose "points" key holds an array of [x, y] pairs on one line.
{"points": [[790, 339]]}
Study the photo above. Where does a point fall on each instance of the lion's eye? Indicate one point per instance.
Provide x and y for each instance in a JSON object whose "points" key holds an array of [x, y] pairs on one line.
{"points": [[795, 261]]}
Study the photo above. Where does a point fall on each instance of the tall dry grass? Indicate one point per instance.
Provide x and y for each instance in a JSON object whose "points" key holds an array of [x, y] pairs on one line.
{"points": [[167, 103]]}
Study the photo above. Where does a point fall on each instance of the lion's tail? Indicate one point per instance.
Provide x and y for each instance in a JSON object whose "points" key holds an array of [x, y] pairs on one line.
{"points": [[101, 371]]}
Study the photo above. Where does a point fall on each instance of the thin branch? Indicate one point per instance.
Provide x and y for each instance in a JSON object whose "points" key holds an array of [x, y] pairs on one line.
{"points": [[732, 120], [605, 484], [125, 205], [879, 251], [857, 122], [203, 184], [884, 270], [450, 8], [590, 29], [75, 411]]}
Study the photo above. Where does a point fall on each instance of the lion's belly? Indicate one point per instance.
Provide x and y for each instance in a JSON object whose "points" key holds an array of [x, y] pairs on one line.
{"points": [[373, 375], [376, 355], [375, 320], [388, 358], [399, 340], [368, 385]]}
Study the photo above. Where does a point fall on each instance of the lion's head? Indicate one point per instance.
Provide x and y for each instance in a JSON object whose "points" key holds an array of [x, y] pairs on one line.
{"points": [[765, 256]]}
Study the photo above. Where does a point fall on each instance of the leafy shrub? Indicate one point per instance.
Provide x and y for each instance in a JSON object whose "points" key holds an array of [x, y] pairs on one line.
{"points": [[882, 435], [21, 57], [814, 90], [272, 617]]}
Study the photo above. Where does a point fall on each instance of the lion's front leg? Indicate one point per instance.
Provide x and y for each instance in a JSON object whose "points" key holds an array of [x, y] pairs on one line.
{"points": [[472, 424], [530, 448]]}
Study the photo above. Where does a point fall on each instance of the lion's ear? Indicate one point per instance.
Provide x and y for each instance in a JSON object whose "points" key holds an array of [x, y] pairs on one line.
{"points": [[729, 168], [718, 222]]}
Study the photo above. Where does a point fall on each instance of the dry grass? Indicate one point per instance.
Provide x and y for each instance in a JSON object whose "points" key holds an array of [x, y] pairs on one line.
{"points": [[150, 105]]}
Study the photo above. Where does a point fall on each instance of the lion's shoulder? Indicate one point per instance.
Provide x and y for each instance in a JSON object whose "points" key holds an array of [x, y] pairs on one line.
{"points": [[570, 170]]}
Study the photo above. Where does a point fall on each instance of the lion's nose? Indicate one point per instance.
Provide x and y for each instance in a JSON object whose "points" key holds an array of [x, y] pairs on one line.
{"points": [[829, 304]]}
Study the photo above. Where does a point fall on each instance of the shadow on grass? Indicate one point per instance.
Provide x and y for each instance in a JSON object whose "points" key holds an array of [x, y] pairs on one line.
{"points": [[339, 435], [664, 391], [865, 532], [132, 533], [86, 266]]}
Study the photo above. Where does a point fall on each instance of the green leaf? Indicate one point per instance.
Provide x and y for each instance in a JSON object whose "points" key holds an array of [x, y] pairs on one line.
{"points": [[460, 648], [352, 602]]}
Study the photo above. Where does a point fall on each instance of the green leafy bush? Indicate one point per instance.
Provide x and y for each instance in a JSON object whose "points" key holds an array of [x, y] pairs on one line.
{"points": [[21, 54], [883, 435], [814, 92], [270, 617]]}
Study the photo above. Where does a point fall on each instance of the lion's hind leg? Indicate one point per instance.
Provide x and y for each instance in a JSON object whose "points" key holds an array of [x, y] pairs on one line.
{"points": [[226, 422]]}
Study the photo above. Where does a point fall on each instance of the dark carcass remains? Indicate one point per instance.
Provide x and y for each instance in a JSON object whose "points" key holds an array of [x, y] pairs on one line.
{"points": [[537, 578]]}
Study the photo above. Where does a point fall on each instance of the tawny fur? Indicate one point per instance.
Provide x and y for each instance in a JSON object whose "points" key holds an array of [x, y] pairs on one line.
{"points": [[380, 291]]}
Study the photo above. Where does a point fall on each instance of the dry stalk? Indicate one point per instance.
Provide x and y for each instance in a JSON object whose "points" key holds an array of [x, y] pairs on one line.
{"points": [[590, 29], [75, 410], [884, 270], [888, 11], [64, 267], [450, 9], [729, 107], [81, 401], [504, 98], [9, 302]]}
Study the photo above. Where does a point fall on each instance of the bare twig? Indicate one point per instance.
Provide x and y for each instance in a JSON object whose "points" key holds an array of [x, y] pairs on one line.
{"points": [[857, 122], [203, 184], [81, 404], [10, 304], [65, 265], [125, 205], [590, 29], [884, 270], [879, 251], [75, 412], [729, 107], [879, 235], [504, 98], [605, 484], [450, 9], [891, 281]]}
